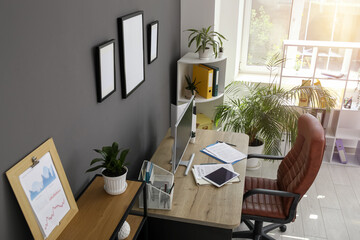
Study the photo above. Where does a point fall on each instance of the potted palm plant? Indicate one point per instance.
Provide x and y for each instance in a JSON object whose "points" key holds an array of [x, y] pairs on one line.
{"points": [[266, 111], [114, 169], [191, 87], [205, 39]]}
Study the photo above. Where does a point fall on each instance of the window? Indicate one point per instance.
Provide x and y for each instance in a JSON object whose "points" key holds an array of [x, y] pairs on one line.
{"points": [[268, 22]]}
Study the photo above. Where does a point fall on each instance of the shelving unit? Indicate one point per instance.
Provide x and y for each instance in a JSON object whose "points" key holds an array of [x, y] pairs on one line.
{"points": [[311, 60], [101, 215], [185, 67]]}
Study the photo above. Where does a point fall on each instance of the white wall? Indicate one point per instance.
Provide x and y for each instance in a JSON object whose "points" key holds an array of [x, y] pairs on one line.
{"points": [[194, 14], [224, 16], [229, 22]]}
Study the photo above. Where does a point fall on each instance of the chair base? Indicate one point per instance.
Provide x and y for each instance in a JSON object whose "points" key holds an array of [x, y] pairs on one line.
{"points": [[257, 231]]}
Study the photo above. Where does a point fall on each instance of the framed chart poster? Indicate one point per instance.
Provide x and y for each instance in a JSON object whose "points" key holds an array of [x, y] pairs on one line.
{"points": [[43, 192]]}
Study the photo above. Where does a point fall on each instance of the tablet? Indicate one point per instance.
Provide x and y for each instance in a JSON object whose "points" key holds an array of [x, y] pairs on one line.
{"points": [[220, 176]]}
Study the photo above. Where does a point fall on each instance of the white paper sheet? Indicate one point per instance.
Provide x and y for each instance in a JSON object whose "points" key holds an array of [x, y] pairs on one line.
{"points": [[202, 170], [45, 193], [224, 152], [205, 169]]}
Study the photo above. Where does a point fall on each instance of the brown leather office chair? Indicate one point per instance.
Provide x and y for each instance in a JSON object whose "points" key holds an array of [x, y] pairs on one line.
{"points": [[275, 200]]}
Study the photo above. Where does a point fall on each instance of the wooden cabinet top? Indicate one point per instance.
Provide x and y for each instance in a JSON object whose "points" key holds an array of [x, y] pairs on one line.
{"points": [[99, 213]]}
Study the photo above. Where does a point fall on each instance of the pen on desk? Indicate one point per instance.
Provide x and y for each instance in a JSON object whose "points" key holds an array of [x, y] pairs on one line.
{"points": [[171, 188], [228, 143]]}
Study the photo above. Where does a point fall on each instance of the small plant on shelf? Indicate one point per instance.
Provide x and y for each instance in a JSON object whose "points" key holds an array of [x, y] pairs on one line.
{"points": [[113, 167], [205, 39], [191, 85]]}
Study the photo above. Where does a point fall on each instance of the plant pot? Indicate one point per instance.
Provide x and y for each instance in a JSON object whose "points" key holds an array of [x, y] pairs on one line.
{"points": [[254, 163], [205, 54], [221, 52], [188, 94], [115, 185]]}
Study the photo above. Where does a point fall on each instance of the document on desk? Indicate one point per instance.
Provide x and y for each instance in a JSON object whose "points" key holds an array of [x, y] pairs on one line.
{"points": [[224, 153], [199, 171]]}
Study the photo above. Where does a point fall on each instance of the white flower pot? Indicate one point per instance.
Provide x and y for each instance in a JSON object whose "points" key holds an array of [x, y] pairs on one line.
{"points": [[115, 185], [254, 163], [204, 55], [188, 94]]}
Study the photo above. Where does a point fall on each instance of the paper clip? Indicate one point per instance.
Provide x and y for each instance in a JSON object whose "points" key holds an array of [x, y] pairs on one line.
{"points": [[35, 161]]}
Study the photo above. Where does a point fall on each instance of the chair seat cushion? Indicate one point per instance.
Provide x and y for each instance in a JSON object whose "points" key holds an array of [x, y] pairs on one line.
{"points": [[262, 204]]}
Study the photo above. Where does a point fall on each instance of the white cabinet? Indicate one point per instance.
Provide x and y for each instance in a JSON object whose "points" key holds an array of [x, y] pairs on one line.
{"points": [[337, 66], [185, 67]]}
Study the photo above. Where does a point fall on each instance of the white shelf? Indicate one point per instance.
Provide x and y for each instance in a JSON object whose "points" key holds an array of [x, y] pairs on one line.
{"points": [[200, 99], [329, 133], [352, 160], [193, 58], [342, 123], [185, 67], [348, 133]]}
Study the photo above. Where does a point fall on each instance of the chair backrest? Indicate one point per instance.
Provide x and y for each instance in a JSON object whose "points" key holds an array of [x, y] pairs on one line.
{"points": [[300, 166]]}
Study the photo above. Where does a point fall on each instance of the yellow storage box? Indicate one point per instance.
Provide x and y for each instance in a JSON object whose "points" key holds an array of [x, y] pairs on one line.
{"points": [[203, 122]]}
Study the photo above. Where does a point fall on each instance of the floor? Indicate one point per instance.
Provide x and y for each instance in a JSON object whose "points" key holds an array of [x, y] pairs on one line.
{"points": [[329, 210]]}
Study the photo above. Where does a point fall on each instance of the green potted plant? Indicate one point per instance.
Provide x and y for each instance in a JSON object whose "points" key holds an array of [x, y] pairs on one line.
{"points": [[114, 169], [191, 87], [221, 49], [266, 111], [205, 39]]}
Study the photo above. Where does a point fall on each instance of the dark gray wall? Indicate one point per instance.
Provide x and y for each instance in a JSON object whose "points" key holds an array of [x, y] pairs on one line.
{"points": [[47, 88]]}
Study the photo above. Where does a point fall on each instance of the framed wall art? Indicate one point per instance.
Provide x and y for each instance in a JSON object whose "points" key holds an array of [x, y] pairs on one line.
{"points": [[106, 70], [153, 38], [131, 52]]}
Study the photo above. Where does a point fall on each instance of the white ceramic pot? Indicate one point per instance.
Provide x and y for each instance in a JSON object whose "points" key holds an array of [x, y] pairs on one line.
{"points": [[115, 185], [221, 53], [205, 54], [188, 94], [254, 163]]}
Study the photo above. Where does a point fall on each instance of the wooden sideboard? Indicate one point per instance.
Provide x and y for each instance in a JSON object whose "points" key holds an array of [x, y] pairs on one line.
{"points": [[101, 215]]}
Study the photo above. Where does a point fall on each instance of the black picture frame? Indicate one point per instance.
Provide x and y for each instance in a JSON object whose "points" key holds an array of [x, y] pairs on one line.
{"points": [[105, 58], [131, 52], [153, 40]]}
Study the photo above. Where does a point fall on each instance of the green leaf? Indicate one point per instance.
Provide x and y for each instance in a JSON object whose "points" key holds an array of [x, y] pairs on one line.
{"points": [[266, 111], [96, 160], [94, 168]]}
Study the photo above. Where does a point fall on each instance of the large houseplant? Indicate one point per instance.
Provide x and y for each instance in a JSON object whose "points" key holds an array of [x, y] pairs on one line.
{"points": [[266, 111], [205, 39], [114, 169]]}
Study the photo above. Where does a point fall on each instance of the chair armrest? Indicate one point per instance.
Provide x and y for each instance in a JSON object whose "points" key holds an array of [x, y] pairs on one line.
{"points": [[294, 203], [270, 192], [262, 156]]}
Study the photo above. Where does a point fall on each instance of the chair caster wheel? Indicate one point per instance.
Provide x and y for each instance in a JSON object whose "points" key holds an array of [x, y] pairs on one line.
{"points": [[283, 228]]}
